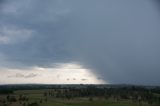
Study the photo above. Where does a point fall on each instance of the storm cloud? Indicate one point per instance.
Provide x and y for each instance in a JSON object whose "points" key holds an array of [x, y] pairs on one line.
{"points": [[117, 39]]}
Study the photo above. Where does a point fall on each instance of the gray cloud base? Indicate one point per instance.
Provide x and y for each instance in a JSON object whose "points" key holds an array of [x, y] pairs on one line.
{"points": [[118, 39]]}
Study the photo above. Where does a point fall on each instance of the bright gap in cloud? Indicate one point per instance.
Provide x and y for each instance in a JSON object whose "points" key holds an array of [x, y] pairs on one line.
{"points": [[66, 73]]}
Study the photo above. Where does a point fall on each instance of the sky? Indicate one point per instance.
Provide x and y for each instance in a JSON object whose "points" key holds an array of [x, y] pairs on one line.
{"points": [[80, 42]]}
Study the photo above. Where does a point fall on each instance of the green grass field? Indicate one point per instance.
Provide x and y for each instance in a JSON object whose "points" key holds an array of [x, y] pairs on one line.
{"points": [[38, 97]]}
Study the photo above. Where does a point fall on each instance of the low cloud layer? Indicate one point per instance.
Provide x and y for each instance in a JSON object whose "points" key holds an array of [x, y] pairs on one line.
{"points": [[19, 75], [69, 73], [117, 39]]}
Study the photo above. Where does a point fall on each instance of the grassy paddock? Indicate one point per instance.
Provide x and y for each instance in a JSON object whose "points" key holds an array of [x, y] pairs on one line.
{"points": [[38, 97]]}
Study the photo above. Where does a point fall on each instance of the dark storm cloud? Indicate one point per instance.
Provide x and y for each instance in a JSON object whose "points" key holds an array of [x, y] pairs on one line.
{"points": [[1, 3], [47, 44], [118, 39]]}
